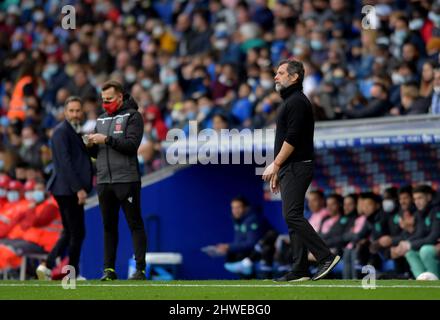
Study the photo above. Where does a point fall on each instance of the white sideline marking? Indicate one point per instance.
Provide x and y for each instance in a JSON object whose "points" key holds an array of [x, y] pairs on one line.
{"points": [[221, 285]]}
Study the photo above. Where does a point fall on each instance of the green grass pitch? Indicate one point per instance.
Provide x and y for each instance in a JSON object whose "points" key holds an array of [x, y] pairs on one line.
{"points": [[220, 290]]}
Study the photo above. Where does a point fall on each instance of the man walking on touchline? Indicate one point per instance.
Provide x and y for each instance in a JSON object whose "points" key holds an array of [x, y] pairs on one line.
{"points": [[292, 171], [114, 145]]}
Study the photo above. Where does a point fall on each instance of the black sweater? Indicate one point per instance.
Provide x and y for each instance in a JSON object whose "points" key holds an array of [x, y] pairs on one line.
{"points": [[295, 124]]}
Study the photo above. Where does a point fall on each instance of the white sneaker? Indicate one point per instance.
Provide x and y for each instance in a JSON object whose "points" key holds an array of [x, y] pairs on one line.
{"points": [[43, 272], [80, 278]]}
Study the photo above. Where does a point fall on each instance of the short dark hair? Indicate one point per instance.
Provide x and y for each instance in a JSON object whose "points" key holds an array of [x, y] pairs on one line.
{"points": [[113, 84], [423, 189], [73, 99], [241, 199], [318, 192], [353, 196], [406, 189], [371, 196], [294, 66]]}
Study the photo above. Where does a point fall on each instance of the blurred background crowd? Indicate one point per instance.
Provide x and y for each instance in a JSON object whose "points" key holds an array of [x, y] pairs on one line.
{"points": [[209, 61]]}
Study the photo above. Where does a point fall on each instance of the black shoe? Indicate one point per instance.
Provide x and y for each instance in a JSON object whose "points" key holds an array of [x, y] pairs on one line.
{"points": [[325, 267], [292, 277], [109, 275], [138, 275]]}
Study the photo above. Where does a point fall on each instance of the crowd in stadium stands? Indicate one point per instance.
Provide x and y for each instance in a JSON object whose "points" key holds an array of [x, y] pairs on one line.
{"points": [[397, 233], [209, 61], [213, 62]]}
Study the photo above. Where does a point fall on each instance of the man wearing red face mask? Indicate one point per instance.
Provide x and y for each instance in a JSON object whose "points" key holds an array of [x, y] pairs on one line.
{"points": [[114, 144]]}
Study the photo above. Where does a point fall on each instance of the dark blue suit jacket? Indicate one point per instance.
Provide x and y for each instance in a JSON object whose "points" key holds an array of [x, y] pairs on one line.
{"points": [[72, 165]]}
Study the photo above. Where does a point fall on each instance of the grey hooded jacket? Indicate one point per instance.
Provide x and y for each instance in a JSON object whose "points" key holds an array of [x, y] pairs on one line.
{"points": [[116, 160]]}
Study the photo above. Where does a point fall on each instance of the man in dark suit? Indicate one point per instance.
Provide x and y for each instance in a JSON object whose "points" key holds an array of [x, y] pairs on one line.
{"points": [[70, 183]]}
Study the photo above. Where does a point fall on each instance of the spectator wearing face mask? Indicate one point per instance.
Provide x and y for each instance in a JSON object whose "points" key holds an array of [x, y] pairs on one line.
{"points": [[29, 190], [374, 228], [390, 207], [37, 231], [434, 18], [377, 106], [350, 251], [199, 42], [316, 204], [155, 131], [14, 208], [337, 92], [31, 146], [4, 182], [318, 45], [411, 55]]}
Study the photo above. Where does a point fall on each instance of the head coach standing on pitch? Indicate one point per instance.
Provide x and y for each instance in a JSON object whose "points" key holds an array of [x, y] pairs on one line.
{"points": [[292, 171], [69, 183], [117, 137]]}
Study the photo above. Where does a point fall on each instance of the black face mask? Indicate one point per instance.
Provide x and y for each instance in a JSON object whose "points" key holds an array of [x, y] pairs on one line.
{"points": [[23, 181]]}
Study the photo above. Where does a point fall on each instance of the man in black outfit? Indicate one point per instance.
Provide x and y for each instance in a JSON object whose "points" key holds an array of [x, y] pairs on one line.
{"points": [[69, 183], [117, 137], [292, 171]]}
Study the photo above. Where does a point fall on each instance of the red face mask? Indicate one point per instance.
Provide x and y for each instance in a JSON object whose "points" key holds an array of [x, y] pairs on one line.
{"points": [[111, 107]]}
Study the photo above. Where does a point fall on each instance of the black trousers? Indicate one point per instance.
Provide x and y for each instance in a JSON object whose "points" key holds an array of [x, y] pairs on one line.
{"points": [[294, 179], [74, 231], [111, 198]]}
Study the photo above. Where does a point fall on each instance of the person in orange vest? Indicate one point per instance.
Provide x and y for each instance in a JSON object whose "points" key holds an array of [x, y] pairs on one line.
{"points": [[4, 182], [14, 209], [37, 232], [11, 214], [23, 87]]}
